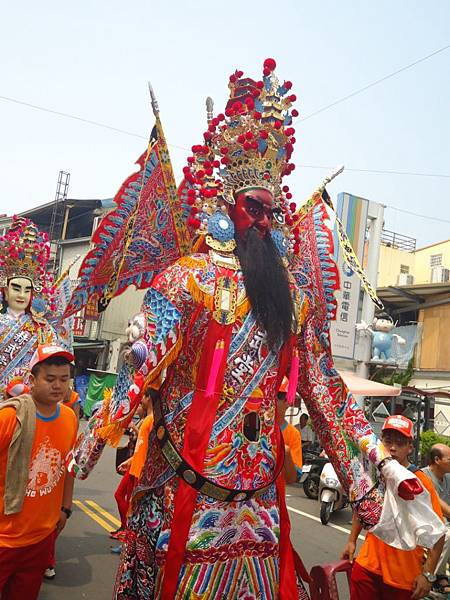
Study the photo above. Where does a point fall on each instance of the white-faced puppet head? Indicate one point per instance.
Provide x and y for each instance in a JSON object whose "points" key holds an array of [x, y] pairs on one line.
{"points": [[18, 294], [136, 328], [383, 322]]}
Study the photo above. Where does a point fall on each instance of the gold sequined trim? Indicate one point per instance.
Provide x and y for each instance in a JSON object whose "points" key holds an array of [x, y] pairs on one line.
{"points": [[220, 246]]}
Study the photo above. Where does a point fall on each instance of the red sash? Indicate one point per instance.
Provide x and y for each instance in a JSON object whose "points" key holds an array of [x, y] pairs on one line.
{"points": [[197, 432], [199, 424]]}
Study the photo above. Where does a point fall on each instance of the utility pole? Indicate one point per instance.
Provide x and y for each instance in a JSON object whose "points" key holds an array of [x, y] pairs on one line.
{"points": [[58, 223], [62, 188]]}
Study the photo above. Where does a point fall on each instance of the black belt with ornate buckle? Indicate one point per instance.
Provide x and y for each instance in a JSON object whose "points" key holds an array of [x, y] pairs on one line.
{"points": [[195, 479]]}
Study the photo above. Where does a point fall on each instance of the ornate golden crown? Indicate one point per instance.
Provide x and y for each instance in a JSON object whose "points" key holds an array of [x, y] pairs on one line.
{"points": [[24, 252], [256, 140], [249, 145]]}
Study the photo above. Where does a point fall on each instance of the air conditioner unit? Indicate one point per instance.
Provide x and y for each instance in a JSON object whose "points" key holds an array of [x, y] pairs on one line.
{"points": [[405, 279], [440, 274]]}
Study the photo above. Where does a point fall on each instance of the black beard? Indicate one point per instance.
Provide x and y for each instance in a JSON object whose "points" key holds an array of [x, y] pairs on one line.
{"points": [[267, 286]]}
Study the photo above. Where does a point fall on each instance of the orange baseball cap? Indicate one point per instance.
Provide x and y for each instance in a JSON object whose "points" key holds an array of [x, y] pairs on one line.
{"points": [[401, 424], [45, 351]]}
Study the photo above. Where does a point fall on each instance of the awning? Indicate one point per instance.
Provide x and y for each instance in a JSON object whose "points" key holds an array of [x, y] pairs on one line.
{"points": [[101, 372], [405, 298], [89, 345], [365, 387]]}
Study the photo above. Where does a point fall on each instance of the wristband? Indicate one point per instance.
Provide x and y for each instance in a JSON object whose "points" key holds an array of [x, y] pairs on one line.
{"points": [[384, 461], [66, 511]]}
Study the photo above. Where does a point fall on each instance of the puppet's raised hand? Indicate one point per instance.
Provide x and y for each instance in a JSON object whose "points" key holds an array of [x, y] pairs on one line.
{"points": [[406, 484]]}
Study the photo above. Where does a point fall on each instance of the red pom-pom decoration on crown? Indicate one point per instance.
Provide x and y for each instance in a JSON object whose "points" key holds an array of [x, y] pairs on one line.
{"points": [[248, 145], [270, 64]]}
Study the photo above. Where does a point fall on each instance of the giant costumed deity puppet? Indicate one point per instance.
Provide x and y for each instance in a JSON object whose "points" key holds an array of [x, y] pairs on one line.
{"points": [[225, 324], [29, 314]]}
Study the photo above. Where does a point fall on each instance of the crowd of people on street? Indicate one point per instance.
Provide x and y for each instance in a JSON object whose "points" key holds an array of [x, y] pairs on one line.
{"points": [[46, 419], [234, 328]]}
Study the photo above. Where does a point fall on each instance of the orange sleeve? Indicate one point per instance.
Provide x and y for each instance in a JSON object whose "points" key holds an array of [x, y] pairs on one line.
{"points": [[292, 438], [428, 485], [75, 428], [7, 426], [74, 398], [140, 451], [70, 417]]}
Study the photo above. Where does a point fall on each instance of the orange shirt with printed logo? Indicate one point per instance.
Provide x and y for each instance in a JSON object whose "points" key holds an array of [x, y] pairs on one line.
{"points": [[140, 451], [54, 437], [398, 568]]}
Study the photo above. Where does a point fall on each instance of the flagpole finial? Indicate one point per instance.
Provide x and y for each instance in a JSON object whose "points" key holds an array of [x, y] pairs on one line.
{"points": [[153, 100], [66, 272], [209, 109], [330, 177]]}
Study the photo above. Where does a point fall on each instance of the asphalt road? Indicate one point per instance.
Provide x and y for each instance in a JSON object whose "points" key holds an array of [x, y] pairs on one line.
{"points": [[86, 567]]}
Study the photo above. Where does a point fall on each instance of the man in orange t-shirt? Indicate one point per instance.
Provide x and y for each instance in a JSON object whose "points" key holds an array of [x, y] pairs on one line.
{"points": [[132, 467], [137, 461], [381, 572], [27, 531], [293, 458]]}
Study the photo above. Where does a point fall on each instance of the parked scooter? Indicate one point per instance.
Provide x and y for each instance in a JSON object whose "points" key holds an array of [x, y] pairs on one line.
{"points": [[310, 478], [331, 494]]}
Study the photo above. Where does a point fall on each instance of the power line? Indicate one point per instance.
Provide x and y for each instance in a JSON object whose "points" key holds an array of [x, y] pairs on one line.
{"points": [[137, 135], [379, 171], [82, 119], [69, 116], [408, 212], [376, 82]]}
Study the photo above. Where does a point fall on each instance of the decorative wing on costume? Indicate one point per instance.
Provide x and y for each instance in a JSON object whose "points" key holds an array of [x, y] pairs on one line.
{"points": [[143, 235], [313, 267], [162, 343], [61, 324]]}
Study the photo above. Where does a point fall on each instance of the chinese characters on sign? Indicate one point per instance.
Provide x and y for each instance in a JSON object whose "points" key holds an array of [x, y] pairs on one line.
{"points": [[352, 211], [78, 325], [91, 310], [346, 298]]}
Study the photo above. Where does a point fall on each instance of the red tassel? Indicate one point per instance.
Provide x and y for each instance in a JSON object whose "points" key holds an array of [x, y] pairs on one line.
{"points": [[293, 378], [215, 366]]}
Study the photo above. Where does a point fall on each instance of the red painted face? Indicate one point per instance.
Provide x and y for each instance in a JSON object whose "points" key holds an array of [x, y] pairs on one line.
{"points": [[253, 208]]}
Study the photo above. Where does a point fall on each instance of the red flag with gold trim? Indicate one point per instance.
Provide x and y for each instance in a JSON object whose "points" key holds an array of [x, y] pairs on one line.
{"points": [[143, 235]]}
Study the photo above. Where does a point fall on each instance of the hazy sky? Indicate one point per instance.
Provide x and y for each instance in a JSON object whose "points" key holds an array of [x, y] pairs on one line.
{"points": [[93, 60]]}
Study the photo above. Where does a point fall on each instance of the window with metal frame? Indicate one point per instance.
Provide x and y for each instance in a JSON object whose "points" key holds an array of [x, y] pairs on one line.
{"points": [[435, 260]]}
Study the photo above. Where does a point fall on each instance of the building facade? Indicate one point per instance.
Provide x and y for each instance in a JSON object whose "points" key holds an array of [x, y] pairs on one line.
{"points": [[414, 285]]}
